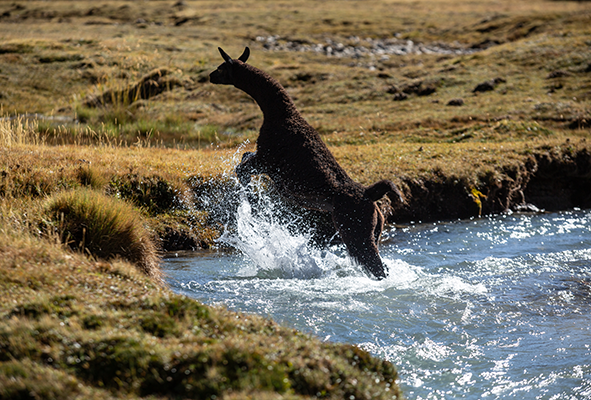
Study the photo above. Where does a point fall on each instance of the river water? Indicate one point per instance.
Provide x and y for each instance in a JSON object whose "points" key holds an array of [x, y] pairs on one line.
{"points": [[496, 307]]}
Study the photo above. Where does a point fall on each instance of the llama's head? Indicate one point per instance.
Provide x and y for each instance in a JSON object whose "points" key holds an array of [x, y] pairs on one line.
{"points": [[224, 74]]}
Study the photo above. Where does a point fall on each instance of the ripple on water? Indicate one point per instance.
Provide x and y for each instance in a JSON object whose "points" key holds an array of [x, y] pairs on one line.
{"points": [[495, 307]]}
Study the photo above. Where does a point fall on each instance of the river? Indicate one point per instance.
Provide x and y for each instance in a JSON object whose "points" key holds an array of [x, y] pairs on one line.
{"points": [[494, 307]]}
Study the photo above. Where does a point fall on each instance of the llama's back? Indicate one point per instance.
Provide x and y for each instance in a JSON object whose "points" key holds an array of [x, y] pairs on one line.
{"points": [[300, 163]]}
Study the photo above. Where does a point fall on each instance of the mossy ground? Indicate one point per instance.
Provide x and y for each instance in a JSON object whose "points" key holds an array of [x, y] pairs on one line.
{"points": [[74, 327]]}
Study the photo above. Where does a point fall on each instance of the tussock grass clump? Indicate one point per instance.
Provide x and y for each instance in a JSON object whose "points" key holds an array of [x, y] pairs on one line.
{"points": [[104, 227], [91, 177]]}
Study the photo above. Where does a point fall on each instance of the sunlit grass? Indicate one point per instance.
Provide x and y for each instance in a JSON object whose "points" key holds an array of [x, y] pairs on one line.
{"points": [[56, 74], [18, 131], [103, 227], [95, 328]]}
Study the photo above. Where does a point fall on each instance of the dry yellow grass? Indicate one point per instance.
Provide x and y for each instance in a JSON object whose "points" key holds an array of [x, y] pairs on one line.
{"points": [[54, 56], [104, 227]]}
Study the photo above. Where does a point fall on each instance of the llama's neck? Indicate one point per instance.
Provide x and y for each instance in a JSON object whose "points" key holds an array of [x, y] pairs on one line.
{"points": [[271, 97]]}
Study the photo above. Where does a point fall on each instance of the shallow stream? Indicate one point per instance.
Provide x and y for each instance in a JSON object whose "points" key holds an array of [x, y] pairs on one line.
{"points": [[496, 307]]}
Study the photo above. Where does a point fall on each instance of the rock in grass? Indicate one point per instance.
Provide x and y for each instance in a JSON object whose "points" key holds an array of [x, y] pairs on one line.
{"points": [[456, 102], [104, 227], [484, 87], [488, 86]]}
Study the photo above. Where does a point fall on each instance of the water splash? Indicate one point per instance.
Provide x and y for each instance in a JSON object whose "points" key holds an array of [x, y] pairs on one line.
{"points": [[280, 246], [274, 250], [278, 241], [274, 235]]}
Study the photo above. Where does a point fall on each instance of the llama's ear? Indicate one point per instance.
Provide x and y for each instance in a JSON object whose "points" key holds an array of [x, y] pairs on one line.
{"points": [[226, 57], [245, 55]]}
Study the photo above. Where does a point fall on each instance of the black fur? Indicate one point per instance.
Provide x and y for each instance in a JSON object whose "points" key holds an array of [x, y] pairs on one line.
{"points": [[294, 156]]}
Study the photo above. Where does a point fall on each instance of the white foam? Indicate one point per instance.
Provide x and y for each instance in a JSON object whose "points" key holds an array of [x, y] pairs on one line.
{"points": [[273, 249], [276, 252]]}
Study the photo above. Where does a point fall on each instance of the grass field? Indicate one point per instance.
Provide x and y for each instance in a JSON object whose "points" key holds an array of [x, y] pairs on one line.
{"points": [[471, 107], [55, 55]]}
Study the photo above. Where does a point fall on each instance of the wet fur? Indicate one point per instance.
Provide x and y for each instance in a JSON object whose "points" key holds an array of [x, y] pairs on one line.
{"points": [[296, 159]]}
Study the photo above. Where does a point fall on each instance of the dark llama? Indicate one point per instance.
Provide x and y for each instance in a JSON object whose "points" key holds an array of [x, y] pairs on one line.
{"points": [[302, 168]]}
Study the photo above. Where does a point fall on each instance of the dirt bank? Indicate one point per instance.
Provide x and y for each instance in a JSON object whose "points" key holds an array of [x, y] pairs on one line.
{"points": [[549, 179]]}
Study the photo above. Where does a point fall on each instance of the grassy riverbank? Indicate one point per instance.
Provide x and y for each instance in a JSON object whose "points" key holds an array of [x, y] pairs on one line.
{"points": [[470, 107]]}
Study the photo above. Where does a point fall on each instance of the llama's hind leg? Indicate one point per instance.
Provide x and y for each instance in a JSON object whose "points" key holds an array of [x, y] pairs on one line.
{"points": [[377, 231], [359, 226]]}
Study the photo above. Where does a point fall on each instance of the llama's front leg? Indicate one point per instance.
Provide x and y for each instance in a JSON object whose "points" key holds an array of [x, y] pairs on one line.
{"points": [[247, 167]]}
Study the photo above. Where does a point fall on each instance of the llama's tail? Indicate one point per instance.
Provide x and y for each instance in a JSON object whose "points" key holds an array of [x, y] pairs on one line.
{"points": [[384, 187]]}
